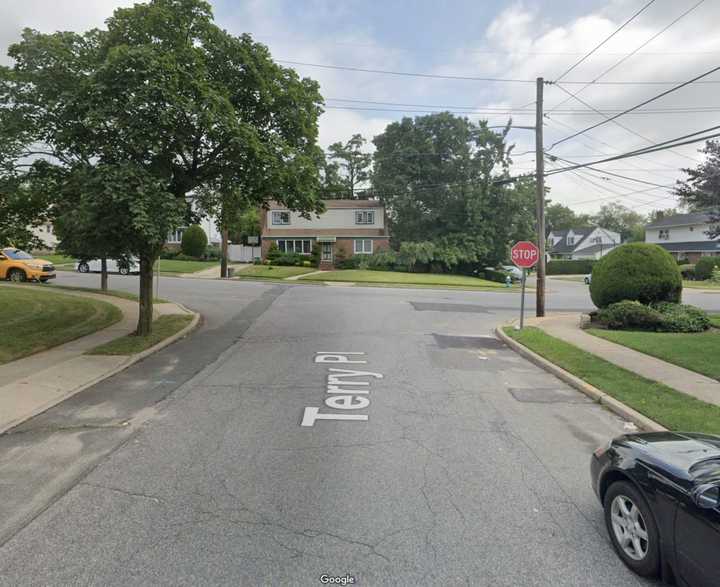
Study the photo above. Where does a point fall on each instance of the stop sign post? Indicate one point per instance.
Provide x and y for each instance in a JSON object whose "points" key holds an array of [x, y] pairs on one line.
{"points": [[524, 255]]}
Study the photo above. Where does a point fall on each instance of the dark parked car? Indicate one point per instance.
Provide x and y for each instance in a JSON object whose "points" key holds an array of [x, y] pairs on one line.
{"points": [[661, 495]]}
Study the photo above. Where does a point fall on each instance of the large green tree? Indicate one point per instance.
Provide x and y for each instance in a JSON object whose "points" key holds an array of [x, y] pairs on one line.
{"points": [[560, 217], [701, 190], [347, 168], [445, 180], [621, 219], [161, 104]]}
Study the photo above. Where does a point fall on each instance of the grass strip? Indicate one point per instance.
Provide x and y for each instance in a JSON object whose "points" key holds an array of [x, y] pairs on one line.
{"points": [[669, 407], [696, 351], [163, 327]]}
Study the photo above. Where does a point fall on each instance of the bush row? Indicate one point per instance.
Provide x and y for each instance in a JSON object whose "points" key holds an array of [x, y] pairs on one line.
{"points": [[661, 317], [569, 267]]}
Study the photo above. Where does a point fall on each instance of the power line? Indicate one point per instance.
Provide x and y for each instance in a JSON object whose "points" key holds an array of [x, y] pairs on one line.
{"points": [[640, 105], [520, 109], [636, 50], [480, 79], [610, 173], [653, 148], [605, 40]]}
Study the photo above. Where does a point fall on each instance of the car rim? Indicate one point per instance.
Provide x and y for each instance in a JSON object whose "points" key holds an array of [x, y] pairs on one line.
{"points": [[16, 276], [629, 527]]}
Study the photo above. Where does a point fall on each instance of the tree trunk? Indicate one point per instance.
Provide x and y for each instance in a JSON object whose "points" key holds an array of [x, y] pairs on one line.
{"points": [[103, 274], [145, 318], [224, 254]]}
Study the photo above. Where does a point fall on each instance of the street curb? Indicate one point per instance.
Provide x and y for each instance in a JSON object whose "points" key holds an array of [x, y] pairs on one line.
{"points": [[131, 360], [615, 406]]}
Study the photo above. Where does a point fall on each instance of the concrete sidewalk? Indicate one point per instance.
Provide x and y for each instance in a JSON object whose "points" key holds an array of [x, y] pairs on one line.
{"points": [[567, 327], [214, 272], [37, 382]]}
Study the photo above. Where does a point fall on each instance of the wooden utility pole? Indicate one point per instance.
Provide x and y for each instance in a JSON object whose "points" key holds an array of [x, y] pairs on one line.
{"points": [[224, 252], [540, 196]]}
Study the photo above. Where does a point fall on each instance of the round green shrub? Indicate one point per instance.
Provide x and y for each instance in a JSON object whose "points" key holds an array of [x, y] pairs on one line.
{"points": [[682, 318], [704, 267], [194, 241], [642, 272]]}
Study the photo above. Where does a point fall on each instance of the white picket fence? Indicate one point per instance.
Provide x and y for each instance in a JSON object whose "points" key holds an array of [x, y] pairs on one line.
{"points": [[243, 253]]}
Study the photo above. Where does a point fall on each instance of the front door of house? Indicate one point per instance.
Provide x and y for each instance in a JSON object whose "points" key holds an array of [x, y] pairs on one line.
{"points": [[327, 253]]}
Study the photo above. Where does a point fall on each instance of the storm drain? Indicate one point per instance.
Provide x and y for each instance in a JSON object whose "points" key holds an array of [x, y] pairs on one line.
{"points": [[435, 307], [547, 395], [468, 342]]}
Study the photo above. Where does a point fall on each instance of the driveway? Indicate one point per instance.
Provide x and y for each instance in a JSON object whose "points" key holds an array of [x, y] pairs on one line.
{"points": [[193, 467]]}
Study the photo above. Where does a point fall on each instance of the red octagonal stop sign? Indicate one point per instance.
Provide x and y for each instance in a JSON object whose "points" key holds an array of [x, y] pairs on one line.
{"points": [[524, 254]]}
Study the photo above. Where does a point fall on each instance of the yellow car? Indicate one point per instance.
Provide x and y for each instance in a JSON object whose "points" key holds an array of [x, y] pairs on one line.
{"points": [[17, 265]]}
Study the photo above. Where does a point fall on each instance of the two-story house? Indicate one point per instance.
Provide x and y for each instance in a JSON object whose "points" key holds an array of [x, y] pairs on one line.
{"points": [[684, 236], [582, 243], [346, 228]]}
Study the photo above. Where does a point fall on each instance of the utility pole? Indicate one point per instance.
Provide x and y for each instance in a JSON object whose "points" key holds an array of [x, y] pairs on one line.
{"points": [[540, 196]]}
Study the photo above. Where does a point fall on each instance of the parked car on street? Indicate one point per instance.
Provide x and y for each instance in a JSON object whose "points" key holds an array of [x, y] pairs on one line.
{"points": [[18, 266], [121, 266], [661, 496], [515, 272], [588, 279]]}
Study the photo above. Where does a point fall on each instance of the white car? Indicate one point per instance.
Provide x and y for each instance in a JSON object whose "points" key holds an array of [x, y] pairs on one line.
{"points": [[515, 272], [132, 265]]}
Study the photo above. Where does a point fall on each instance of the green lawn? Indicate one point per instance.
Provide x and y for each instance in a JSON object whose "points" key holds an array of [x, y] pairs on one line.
{"points": [[131, 344], [701, 284], [400, 278], [175, 266], [272, 272], [669, 407], [35, 319], [715, 319], [697, 351], [110, 292]]}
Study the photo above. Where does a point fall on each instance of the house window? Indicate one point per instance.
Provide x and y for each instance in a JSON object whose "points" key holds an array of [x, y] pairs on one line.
{"points": [[664, 234], [302, 247], [175, 236], [571, 240], [597, 240], [364, 216], [280, 217], [692, 229], [363, 246]]}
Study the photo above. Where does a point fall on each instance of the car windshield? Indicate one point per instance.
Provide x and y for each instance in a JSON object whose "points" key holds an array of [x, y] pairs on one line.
{"points": [[17, 254]]}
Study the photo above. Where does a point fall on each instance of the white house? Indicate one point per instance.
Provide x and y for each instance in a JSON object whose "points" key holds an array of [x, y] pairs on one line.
{"points": [[46, 233], [684, 236], [582, 243]]}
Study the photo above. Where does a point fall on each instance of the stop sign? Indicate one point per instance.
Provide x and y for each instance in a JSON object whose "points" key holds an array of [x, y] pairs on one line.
{"points": [[524, 254]]}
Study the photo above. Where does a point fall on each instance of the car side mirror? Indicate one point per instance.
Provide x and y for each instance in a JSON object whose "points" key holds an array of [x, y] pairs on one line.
{"points": [[707, 496]]}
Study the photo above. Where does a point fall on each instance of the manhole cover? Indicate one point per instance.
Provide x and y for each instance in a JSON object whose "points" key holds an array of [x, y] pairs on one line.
{"points": [[546, 395], [435, 307], [467, 342]]}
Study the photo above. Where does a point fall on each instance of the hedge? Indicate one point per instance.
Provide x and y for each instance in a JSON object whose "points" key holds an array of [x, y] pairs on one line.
{"points": [[642, 272], [570, 267], [704, 267]]}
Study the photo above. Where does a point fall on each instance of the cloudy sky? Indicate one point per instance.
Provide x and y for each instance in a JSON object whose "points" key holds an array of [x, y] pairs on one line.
{"points": [[490, 39]]}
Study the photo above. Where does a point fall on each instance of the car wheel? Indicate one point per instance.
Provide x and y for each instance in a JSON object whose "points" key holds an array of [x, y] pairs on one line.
{"points": [[83, 268], [17, 275], [124, 271], [587, 281], [632, 529]]}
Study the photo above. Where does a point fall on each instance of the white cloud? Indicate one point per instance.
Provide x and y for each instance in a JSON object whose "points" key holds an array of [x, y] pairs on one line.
{"points": [[66, 15]]}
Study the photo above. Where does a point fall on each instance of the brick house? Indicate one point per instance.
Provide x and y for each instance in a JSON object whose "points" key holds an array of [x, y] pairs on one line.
{"points": [[346, 228]]}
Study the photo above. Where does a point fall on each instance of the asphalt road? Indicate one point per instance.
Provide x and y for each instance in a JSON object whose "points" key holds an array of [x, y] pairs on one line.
{"points": [[192, 467]]}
